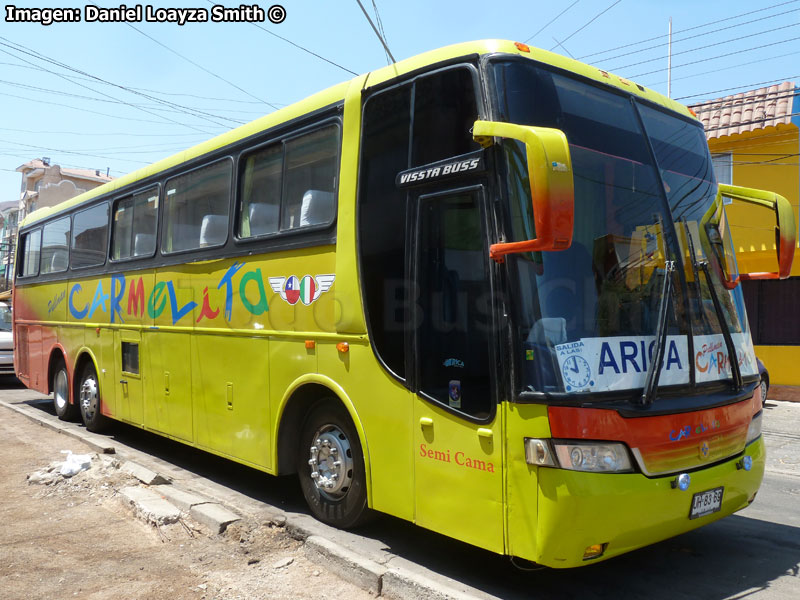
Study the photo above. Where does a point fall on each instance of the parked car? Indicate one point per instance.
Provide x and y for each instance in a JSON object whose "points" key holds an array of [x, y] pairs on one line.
{"points": [[762, 371], [6, 341]]}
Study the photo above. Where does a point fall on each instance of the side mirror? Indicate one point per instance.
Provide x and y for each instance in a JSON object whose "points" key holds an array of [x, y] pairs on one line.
{"points": [[552, 187], [766, 232]]}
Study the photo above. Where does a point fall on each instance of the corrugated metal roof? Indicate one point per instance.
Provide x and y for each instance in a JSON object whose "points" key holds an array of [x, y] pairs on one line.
{"points": [[747, 111]]}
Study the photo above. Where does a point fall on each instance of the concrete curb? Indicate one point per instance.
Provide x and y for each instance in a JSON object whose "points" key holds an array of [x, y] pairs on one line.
{"points": [[351, 567], [150, 506], [785, 393], [97, 442], [398, 581]]}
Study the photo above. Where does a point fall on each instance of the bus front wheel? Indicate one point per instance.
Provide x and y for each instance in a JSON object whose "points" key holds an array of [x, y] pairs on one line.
{"points": [[331, 466], [64, 410], [89, 400]]}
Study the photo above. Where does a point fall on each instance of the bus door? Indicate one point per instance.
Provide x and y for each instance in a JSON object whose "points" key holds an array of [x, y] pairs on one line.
{"points": [[128, 377], [457, 429]]}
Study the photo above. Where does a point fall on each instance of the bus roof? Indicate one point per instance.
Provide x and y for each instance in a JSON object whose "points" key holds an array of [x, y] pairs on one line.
{"points": [[338, 92]]}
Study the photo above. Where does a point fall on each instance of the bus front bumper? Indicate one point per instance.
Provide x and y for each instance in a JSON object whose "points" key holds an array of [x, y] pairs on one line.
{"points": [[622, 512]]}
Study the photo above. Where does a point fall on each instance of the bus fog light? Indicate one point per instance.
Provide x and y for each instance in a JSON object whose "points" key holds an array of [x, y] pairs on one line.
{"points": [[745, 463], [594, 551], [682, 482], [592, 457], [538, 453]]}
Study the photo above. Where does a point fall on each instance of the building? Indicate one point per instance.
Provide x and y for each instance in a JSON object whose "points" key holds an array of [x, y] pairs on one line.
{"points": [[43, 185], [754, 142]]}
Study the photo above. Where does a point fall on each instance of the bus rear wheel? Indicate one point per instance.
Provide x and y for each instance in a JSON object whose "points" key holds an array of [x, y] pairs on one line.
{"points": [[64, 410], [331, 467], [89, 400]]}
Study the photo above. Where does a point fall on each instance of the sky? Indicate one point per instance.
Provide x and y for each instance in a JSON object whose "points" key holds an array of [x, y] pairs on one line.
{"points": [[118, 96]]}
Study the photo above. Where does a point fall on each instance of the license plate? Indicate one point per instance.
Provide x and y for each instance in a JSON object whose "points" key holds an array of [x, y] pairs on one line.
{"points": [[706, 503]]}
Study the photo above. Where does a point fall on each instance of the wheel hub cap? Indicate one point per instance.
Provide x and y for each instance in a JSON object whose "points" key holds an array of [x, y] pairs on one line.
{"points": [[331, 462], [89, 397], [61, 390]]}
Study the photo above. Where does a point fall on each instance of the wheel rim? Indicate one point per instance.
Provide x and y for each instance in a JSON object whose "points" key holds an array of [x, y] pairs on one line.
{"points": [[89, 397], [763, 391], [61, 390], [331, 462]]}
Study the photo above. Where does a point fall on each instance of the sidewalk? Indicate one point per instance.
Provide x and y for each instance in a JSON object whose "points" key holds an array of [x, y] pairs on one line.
{"points": [[787, 393]]}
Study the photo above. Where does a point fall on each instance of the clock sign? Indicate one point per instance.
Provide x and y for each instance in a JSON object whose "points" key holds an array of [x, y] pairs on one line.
{"points": [[576, 372]]}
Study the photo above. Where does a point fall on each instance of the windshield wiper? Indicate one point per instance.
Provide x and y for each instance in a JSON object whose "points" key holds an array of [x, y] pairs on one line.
{"points": [[736, 372], [654, 370]]}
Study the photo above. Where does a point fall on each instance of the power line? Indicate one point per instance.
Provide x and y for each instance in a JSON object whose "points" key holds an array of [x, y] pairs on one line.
{"points": [[691, 37], [742, 37], [720, 103], [330, 62], [199, 66], [592, 20], [28, 51], [729, 67], [81, 97], [782, 79], [115, 134], [16, 47], [694, 62], [715, 22], [61, 150], [377, 33], [95, 112], [195, 112], [149, 91], [149, 147], [551, 21], [302, 48], [379, 22]]}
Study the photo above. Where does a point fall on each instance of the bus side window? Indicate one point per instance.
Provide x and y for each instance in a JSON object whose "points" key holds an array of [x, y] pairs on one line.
{"points": [[388, 294], [89, 237], [31, 249], [260, 193], [312, 164], [55, 246], [445, 108], [134, 225], [196, 206]]}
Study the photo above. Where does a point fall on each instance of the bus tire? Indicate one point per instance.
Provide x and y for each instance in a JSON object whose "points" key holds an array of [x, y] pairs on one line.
{"points": [[330, 464], [89, 400], [64, 410]]}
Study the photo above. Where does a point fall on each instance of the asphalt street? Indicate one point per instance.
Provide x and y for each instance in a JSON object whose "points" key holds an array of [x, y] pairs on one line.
{"points": [[753, 554]]}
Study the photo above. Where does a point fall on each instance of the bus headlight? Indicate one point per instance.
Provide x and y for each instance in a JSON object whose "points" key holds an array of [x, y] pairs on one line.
{"points": [[593, 457], [754, 431]]}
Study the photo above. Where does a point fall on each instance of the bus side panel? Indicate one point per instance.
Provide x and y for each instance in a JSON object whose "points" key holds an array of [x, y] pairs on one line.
{"points": [[384, 408], [32, 306], [288, 361], [38, 380], [102, 344], [231, 396], [522, 420], [72, 337], [168, 399], [55, 311]]}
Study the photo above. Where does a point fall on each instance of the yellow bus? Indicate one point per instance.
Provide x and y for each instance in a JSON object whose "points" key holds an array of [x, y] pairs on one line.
{"points": [[488, 289]]}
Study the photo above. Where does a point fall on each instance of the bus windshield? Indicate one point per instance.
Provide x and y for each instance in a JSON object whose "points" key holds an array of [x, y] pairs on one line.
{"points": [[586, 318]]}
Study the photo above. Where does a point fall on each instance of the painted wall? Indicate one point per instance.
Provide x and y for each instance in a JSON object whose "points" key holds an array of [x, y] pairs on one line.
{"points": [[767, 159]]}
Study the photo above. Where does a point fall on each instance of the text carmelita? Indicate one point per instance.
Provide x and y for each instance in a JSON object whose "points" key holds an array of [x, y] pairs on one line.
{"points": [[136, 14]]}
